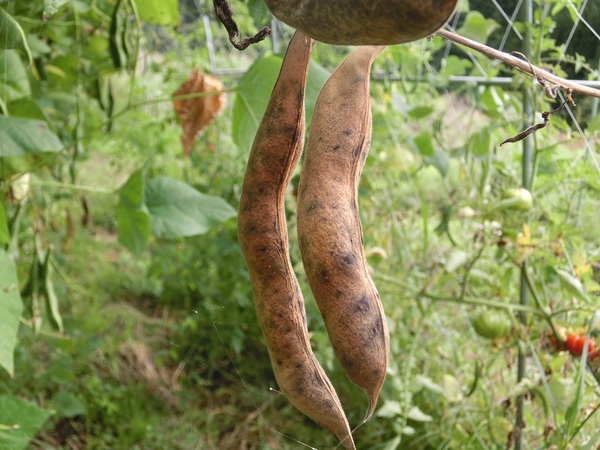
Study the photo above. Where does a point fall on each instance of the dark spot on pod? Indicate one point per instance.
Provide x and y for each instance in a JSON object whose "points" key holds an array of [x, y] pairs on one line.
{"points": [[323, 274], [338, 293], [313, 206], [261, 249], [298, 366], [329, 404], [336, 147], [377, 327], [362, 305], [348, 363], [299, 386], [278, 362], [348, 132], [349, 259], [251, 228], [261, 189]]}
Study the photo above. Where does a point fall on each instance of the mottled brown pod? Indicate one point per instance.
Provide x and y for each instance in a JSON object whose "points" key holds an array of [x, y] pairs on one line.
{"points": [[364, 22], [263, 238], [329, 228]]}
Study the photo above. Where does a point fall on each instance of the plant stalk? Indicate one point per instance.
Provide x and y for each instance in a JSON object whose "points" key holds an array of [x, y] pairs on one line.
{"points": [[527, 180]]}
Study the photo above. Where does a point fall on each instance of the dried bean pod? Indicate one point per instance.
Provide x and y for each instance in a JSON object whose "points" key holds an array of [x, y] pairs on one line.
{"points": [[364, 22], [329, 228], [263, 238]]}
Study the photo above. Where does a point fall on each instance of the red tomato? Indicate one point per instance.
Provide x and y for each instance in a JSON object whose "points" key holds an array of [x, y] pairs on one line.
{"points": [[575, 343]]}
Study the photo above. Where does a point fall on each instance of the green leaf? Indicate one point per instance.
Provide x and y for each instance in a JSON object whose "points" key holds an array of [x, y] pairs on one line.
{"points": [[11, 308], [477, 27], [4, 233], [259, 12], [417, 415], [480, 143], [440, 160], [12, 35], [133, 229], [254, 91], [19, 422], [21, 137], [389, 409], [133, 222], [424, 144], [51, 297], [51, 6], [572, 284], [453, 65], [427, 383], [176, 209], [14, 83], [25, 144], [26, 108], [419, 112], [317, 76], [561, 392], [68, 405], [163, 12]]}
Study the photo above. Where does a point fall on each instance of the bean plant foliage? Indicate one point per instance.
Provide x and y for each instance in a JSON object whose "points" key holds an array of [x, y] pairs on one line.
{"points": [[126, 314]]}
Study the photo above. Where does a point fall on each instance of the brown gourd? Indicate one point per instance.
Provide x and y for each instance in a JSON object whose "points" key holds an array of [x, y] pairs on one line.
{"points": [[329, 227], [364, 22], [263, 239]]}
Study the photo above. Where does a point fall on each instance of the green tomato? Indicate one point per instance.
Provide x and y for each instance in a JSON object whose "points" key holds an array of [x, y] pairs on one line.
{"points": [[492, 324], [516, 198]]}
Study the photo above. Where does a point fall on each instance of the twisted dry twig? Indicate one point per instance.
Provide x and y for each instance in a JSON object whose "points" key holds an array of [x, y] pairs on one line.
{"points": [[524, 66]]}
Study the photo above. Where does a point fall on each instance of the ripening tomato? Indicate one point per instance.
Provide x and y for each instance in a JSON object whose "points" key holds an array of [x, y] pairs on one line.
{"points": [[492, 324], [575, 343]]}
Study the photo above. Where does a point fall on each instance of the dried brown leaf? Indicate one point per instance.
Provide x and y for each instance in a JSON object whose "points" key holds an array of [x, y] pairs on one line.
{"points": [[195, 113]]}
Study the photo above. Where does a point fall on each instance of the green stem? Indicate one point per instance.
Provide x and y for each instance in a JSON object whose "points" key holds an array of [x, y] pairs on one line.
{"points": [[527, 181], [75, 187], [462, 300]]}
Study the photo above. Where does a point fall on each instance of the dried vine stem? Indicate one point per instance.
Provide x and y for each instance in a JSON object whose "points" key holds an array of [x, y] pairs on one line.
{"points": [[523, 66]]}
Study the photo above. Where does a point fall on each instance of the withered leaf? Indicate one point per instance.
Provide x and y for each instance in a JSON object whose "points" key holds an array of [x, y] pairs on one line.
{"points": [[195, 113]]}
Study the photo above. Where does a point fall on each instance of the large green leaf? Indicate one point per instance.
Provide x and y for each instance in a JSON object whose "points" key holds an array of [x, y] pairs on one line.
{"points": [[163, 12], [254, 91], [19, 422], [259, 12], [11, 307], [12, 35], [14, 83], [25, 144], [317, 76], [177, 209], [132, 218], [21, 137]]}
